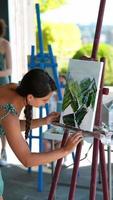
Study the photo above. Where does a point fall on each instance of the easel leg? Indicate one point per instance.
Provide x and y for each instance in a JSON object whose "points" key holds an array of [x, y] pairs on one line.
{"points": [[99, 173], [94, 170], [104, 172], [109, 172], [75, 172], [57, 170], [52, 163], [40, 168]]}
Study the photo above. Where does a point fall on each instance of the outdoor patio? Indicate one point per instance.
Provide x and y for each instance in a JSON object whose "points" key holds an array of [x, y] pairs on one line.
{"points": [[20, 185]]}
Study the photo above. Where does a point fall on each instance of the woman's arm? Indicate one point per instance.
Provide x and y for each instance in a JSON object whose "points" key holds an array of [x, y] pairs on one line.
{"points": [[35, 123], [40, 122], [20, 147]]}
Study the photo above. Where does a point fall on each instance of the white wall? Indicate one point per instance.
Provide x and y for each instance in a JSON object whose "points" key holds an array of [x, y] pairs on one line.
{"points": [[22, 35]]}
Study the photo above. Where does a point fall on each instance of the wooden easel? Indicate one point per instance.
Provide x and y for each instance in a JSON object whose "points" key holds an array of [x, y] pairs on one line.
{"points": [[98, 147]]}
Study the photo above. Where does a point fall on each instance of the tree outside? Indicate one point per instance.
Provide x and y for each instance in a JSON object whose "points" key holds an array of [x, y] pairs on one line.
{"points": [[49, 4], [105, 51], [64, 39]]}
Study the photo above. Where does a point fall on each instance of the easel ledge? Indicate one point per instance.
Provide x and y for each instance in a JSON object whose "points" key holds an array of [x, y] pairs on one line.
{"points": [[95, 133]]}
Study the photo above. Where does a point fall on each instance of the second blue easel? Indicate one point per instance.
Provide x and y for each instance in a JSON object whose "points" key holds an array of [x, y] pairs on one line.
{"points": [[42, 60]]}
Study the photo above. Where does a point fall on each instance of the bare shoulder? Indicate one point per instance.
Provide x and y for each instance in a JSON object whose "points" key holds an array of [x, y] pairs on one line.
{"points": [[5, 42], [5, 45], [6, 93], [8, 86]]}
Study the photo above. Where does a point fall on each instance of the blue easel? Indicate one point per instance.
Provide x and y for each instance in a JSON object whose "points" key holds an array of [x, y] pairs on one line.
{"points": [[43, 61]]}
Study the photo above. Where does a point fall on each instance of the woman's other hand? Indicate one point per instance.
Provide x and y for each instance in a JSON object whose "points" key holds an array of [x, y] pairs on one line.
{"points": [[72, 142]]}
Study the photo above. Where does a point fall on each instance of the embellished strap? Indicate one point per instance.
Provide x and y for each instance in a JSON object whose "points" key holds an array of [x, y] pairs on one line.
{"points": [[9, 108]]}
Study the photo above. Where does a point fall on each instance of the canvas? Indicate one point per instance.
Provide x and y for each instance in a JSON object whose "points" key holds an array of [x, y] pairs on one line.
{"points": [[81, 94]]}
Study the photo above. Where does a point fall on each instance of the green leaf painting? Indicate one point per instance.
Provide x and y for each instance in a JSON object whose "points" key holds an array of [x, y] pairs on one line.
{"points": [[69, 119], [80, 96]]}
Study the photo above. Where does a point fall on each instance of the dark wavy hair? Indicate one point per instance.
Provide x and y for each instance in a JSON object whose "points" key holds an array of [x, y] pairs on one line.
{"points": [[38, 83], [2, 27]]}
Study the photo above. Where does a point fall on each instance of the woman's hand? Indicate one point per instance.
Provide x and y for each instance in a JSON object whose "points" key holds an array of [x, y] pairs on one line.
{"points": [[54, 116], [72, 142]]}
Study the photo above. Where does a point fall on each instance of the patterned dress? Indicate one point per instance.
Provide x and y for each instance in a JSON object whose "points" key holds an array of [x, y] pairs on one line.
{"points": [[8, 109]]}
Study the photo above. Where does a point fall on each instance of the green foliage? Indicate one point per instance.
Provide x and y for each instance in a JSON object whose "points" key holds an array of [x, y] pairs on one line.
{"points": [[64, 38], [49, 4], [104, 50], [63, 70], [47, 38]]}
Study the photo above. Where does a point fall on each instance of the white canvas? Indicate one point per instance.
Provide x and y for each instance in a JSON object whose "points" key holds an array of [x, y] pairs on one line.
{"points": [[81, 93]]}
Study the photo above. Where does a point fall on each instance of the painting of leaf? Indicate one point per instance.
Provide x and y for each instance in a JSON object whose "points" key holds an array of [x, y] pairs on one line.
{"points": [[93, 99], [69, 119], [84, 84], [70, 96], [80, 114], [79, 97], [67, 98], [75, 90], [88, 91], [74, 104]]}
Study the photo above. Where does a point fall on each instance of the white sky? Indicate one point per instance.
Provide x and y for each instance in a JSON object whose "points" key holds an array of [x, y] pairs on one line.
{"points": [[80, 12]]}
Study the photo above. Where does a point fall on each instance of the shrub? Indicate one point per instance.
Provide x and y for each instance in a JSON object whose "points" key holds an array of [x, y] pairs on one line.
{"points": [[104, 50], [64, 38]]}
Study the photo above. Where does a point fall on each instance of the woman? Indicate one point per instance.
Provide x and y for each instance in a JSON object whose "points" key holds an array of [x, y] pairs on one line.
{"points": [[35, 89], [5, 72]]}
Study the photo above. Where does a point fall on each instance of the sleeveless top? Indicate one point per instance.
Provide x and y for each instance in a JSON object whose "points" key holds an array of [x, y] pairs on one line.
{"points": [[9, 109], [5, 79]]}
